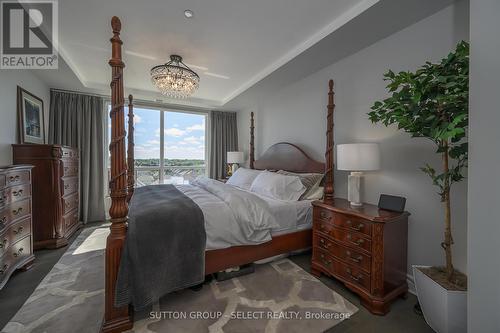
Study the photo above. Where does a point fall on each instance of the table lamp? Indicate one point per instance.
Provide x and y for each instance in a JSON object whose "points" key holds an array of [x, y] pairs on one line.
{"points": [[234, 158], [357, 157]]}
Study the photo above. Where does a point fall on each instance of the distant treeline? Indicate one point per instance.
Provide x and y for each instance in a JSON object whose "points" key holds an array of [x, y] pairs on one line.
{"points": [[169, 162]]}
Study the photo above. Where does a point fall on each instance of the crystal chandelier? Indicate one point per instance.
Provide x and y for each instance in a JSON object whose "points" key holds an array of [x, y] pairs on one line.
{"points": [[174, 78]]}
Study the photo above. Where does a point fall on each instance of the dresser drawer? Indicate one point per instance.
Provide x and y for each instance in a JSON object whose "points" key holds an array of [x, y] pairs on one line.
{"points": [[13, 233], [337, 268], [70, 219], [353, 239], [15, 193], [14, 254], [2, 180], [14, 211], [70, 203], [352, 223], [17, 178], [324, 215], [70, 185], [344, 253], [68, 153], [69, 168]]}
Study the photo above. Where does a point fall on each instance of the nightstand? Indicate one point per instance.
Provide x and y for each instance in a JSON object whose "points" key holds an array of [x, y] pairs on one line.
{"points": [[364, 247]]}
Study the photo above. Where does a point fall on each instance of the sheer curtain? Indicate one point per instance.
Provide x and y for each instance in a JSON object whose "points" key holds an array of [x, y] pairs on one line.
{"points": [[223, 138], [78, 120]]}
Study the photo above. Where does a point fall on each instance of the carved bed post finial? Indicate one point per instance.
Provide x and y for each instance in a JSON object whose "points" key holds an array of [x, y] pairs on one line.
{"points": [[252, 147], [329, 165], [130, 150], [116, 319]]}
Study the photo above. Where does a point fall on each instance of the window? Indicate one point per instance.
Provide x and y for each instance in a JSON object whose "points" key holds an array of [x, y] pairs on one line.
{"points": [[170, 146]]}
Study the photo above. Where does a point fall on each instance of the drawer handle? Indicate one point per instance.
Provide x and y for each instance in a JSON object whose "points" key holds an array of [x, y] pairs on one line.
{"points": [[325, 244], [18, 253], [3, 220], [17, 193], [18, 231], [354, 259], [358, 241], [15, 178], [3, 243], [323, 215], [355, 278], [326, 261], [355, 227], [4, 269], [17, 211], [66, 187]]}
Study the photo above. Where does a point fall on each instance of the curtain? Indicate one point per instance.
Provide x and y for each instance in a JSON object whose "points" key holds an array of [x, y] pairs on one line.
{"points": [[223, 138], [78, 120]]}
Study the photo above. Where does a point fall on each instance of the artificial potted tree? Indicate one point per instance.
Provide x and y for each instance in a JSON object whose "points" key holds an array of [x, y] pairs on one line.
{"points": [[432, 103]]}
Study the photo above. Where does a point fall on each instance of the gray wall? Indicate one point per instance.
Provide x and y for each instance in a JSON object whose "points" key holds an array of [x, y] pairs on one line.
{"points": [[296, 113], [9, 80], [484, 162]]}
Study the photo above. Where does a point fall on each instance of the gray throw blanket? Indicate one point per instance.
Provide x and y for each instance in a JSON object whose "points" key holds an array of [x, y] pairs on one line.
{"points": [[165, 246]]}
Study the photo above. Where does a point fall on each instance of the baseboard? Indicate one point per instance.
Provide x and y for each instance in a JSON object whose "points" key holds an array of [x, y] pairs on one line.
{"points": [[411, 284]]}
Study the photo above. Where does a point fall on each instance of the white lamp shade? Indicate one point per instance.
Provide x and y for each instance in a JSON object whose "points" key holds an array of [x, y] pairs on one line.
{"points": [[358, 157], [235, 157]]}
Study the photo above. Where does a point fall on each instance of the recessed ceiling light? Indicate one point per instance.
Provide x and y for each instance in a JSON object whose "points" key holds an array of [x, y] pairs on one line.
{"points": [[188, 13]]}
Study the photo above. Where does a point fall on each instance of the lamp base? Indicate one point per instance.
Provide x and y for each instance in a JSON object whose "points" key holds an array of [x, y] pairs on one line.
{"points": [[234, 167], [354, 189]]}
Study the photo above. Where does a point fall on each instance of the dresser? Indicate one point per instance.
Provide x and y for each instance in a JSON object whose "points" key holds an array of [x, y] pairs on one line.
{"points": [[364, 247], [16, 241], [55, 192]]}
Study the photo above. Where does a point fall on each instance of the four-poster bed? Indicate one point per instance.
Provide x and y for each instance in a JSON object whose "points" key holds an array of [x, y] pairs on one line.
{"points": [[283, 156]]}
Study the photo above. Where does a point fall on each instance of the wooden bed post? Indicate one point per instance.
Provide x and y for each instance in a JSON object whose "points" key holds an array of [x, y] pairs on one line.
{"points": [[130, 150], [116, 319], [329, 165], [252, 147]]}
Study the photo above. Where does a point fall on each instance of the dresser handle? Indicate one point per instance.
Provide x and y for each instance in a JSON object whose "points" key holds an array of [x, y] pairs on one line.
{"points": [[3, 243], [325, 261], [325, 244], [358, 242], [3, 220], [4, 269], [17, 211], [18, 253], [323, 215], [354, 259], [14, 178], [355, 278], [18, 231], [355, 227], [17, 193]]}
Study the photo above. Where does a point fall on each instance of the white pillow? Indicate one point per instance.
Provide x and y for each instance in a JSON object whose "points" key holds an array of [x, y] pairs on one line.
{"points": [[243, 178], [276, 186]]}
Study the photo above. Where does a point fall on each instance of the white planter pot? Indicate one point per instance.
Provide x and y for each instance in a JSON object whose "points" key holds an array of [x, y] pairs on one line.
{"points": [[444, 311]]}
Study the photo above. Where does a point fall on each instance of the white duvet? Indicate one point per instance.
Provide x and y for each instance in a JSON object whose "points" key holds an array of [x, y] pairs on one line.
{"points": [[233, 216]]}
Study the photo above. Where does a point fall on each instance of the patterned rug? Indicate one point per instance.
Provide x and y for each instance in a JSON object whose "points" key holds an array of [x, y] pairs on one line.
{"points": [[278, 297]]}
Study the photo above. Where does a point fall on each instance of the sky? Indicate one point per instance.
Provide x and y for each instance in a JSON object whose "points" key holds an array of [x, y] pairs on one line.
{"points": [[184, 134]]}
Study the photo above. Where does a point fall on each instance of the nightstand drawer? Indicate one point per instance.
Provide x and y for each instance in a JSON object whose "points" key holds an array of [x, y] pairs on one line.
{"points": [[339, 269], [344, 253], [321, 214], [353, 239], [352, 223]]}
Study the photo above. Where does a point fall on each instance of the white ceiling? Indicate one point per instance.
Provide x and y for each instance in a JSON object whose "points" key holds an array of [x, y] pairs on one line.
{"points": [[232, 44]]}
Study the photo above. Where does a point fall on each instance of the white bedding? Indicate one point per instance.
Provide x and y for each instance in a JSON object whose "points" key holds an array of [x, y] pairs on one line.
{"points": [[237, 217]]}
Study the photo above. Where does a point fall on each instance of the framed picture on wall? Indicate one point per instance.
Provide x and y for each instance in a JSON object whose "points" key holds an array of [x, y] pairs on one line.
{"points": [[30, 117]]}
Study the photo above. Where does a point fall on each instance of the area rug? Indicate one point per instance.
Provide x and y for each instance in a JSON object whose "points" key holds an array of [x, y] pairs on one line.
{"points": [[278, 297]]}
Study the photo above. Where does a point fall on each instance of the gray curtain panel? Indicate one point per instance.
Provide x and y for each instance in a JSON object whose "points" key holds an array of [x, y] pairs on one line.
{"points": [[224, 138], [78, 120]]}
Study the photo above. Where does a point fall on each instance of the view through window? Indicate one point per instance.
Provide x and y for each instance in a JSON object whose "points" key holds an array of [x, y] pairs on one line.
{"points": [[169, 146]]}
